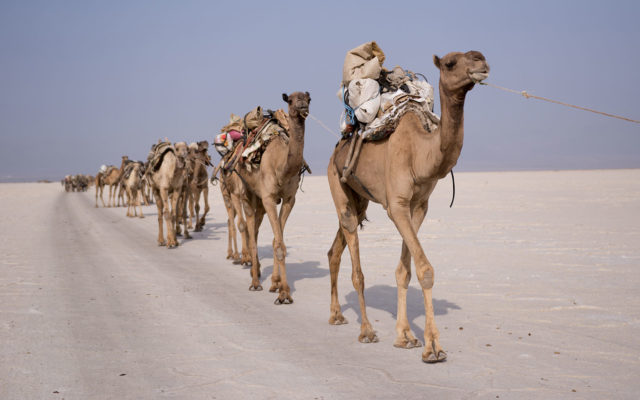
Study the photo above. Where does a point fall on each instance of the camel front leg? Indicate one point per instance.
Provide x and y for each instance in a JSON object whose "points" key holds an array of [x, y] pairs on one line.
{"points": [[279, 276], [109, 198], [183, 209], [192, 200], [405, 338], [160, 206], [172, 218], [400, 214]]}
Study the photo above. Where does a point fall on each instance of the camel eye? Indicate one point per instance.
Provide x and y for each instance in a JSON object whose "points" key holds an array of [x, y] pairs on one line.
{"points": [[450, 64]]}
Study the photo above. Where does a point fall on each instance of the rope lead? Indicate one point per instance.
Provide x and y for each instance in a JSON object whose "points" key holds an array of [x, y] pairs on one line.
{"points": [[530, 96]]}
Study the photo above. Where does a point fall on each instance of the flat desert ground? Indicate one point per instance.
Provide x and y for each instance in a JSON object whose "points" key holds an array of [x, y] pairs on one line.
{"points": [[537, 296]]}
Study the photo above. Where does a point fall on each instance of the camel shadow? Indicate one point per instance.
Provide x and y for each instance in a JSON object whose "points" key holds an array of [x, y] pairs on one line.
{"points": [[296, 272], [210, 231], [384, 297]]}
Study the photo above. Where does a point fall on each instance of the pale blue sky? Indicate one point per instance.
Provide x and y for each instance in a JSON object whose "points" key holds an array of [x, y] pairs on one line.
{"points": [[84, 82]]}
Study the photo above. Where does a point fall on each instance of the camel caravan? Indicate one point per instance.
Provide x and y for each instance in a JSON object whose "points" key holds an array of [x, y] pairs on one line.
{"points": [[76, 183], [393, 151]]}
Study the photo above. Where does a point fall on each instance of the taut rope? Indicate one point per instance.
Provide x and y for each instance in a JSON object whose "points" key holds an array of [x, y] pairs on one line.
{"points": [[324, 126], [527, 95]]}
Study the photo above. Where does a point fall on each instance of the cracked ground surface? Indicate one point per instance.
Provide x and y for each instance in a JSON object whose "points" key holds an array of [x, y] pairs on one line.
{"points": [[536, 296]]}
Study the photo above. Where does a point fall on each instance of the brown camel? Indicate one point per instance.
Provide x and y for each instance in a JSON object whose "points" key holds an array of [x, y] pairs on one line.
{"points": [[198, 183], [183, 196], [274, 181], [167, 180], [232, 190], [133, 186], [400, 173], [112, 178], [99, 182]]}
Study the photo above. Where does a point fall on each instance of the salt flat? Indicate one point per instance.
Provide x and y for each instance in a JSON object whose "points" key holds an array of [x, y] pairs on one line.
{"points": [[536, 297]]}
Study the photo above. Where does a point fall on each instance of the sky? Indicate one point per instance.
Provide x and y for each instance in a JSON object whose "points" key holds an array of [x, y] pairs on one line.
{"points": [[84, 82]]}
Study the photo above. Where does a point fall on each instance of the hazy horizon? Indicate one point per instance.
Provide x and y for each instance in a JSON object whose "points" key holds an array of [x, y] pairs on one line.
{"points": [[84, 83]]}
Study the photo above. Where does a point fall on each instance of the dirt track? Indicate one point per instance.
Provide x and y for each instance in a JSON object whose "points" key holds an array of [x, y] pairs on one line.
{"points": [[536, 296]]}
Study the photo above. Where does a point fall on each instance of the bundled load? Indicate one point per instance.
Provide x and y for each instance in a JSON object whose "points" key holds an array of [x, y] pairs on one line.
{"points": [[245, 139], [375, 98], [126, 173], [156, 154], [231, 133]]}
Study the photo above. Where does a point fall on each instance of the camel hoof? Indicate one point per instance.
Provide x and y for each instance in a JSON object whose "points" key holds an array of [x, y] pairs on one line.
{"points": [[368, 338], [286, 299], [236, 261], [338, 320], [142, 216], [188, 236], [274, 288], [255, 288], [431, 358], [162, 243]]}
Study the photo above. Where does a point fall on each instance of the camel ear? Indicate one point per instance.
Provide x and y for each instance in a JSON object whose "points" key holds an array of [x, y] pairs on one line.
{"points": [[308, 96], [436, 61], [285, 97]]}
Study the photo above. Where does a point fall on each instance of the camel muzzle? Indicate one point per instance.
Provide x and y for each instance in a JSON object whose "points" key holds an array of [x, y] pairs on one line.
{"points": [[479, 75]]}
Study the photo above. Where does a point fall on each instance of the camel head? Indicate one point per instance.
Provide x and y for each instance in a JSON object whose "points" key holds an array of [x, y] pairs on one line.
{"points": [[193, 147], [203, 145], [461, 70], [182, 150], [298, 104]]}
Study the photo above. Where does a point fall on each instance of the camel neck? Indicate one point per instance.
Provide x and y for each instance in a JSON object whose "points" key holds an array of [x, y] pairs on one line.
{"points": [[451, 127], [296, 144]]}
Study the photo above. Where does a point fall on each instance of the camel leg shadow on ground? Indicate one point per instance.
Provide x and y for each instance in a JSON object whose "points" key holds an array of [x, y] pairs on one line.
{"points": [[298, 271], [213, 231], [385, 297]]}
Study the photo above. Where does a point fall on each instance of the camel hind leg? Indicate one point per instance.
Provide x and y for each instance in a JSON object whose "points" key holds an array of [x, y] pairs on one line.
{"points": [[160, 206], [205, 195], [351, 210], [236, 203], [139, 197], [232, 243], [334, 255], [252, 214]]}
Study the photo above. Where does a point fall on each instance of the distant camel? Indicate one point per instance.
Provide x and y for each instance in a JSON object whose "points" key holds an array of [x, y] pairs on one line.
{"points": [[199, 183], [232, 190], [167, 180], [99, 182], [274, 181], [400, 172], [132, 179], [112, 178]]}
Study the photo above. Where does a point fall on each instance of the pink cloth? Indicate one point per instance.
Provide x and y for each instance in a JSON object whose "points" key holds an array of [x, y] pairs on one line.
{"points": [[235, 135]]}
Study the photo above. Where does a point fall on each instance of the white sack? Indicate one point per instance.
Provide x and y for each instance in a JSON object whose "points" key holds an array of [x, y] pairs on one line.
{"points": [[364, 98]]}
